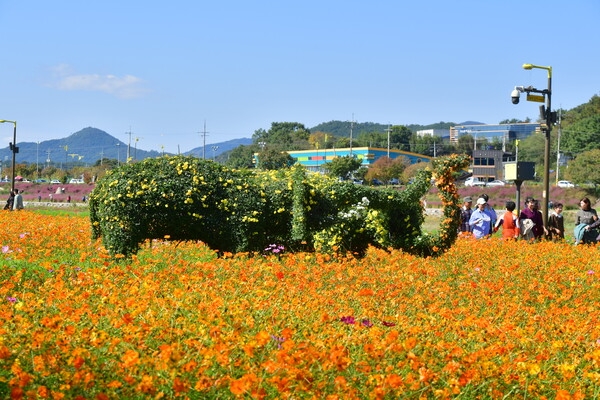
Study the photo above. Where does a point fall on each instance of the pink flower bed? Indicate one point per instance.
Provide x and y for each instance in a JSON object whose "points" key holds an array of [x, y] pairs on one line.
{"points": [[500, 194], [34, 191]]}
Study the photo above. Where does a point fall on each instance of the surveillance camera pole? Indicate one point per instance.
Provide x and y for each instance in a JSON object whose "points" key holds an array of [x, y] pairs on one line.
{"points": [[546, 128]]}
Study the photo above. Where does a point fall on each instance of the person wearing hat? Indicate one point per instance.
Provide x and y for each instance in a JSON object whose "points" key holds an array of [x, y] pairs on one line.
{"points": [[480, 221], [465, 214], [489, 210]]}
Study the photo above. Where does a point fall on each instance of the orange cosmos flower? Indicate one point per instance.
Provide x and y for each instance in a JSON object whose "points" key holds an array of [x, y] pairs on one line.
{"points": [[394, 381], [262, 338], [179, 386], [130, 358]]}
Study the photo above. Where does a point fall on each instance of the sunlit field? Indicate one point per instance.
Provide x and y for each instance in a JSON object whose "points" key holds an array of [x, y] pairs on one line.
{"points": [[489, 319]]}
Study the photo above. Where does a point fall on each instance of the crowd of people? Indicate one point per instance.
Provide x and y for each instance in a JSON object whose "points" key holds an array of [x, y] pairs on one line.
{"points": [[482, 221]]}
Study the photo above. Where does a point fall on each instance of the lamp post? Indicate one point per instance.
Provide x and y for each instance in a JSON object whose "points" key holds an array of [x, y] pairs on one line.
{"points": [[14, 149], [549, 118], [37, 161]]}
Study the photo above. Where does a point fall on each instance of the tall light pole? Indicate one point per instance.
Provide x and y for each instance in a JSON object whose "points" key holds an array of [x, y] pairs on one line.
{"points": [[558, 147], [549, 118], [13, 147], [37, 160], [388, 130]]}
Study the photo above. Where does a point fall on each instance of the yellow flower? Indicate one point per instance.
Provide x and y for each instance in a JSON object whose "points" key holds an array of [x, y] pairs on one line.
{"points": [[534, 369]]}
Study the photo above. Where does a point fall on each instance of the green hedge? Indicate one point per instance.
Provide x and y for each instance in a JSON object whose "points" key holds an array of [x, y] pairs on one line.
{"points": [[185, 198]]}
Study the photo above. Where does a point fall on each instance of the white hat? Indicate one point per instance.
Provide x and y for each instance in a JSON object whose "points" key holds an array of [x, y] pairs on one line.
{"points": [[481, 200]]}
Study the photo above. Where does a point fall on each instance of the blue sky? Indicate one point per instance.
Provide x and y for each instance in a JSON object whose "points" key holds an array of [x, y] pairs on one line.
{"points": [[161, 70]]}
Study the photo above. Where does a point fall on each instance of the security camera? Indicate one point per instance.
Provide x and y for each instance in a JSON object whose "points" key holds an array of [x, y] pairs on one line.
{"points": [[515, 95]]}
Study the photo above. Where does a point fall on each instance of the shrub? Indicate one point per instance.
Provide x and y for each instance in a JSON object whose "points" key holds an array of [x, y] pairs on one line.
{"points": [[185, 198]]}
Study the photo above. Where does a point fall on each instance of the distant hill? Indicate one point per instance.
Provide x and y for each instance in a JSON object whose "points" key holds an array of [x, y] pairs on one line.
{"points": [[90, 144], [223, 147], [342, 128], [471, 123]]}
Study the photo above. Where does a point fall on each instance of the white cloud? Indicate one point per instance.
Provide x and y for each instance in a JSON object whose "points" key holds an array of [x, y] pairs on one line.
{"points": [[125, 87]]}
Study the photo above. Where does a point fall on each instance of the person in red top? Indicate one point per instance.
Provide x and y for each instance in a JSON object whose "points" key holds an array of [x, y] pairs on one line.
{"points": [[509, 222]]}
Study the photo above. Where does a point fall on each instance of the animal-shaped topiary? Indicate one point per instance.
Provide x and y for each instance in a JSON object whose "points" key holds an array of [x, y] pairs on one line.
{"points": [[185, 198]]}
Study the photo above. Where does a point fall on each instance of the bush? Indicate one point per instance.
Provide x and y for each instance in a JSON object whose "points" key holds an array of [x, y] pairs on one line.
{"points": [[185, 198]]}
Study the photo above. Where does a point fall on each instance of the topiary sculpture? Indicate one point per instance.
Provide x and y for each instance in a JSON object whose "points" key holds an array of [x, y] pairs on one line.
{"points": [[185, 198]]}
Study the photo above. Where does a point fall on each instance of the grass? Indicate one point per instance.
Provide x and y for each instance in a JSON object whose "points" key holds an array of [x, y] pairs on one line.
{"points": [[62, 211]]}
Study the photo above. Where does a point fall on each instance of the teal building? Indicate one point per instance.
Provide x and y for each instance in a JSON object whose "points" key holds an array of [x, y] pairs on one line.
{"points": [[313, 160]]}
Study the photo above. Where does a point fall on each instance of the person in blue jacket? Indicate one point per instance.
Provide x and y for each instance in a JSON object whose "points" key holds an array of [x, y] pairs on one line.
{"points": [[480, 221]]}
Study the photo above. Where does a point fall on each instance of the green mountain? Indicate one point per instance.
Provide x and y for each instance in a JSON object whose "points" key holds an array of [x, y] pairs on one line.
{"points": [[342, 128], [215, 149]]}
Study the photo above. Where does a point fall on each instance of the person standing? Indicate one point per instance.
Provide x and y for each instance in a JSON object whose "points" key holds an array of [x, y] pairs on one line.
{"points": [[465, 215], [532, 221], [509, 222], [489, 210], [480, 221], [18, 203], [556, 223], [10, 201]]}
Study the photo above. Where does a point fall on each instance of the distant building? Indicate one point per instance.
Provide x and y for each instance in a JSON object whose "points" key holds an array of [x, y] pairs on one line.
{"points": [[489, 164], [314, 159], [505, 133], [441, 133]]}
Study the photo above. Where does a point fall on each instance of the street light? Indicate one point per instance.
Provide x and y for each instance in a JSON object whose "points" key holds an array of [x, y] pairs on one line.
{"points": [[549, 118], [14, 149]]}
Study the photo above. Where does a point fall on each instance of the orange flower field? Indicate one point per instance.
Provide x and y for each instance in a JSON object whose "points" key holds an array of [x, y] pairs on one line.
{"points": [[488, 319]]}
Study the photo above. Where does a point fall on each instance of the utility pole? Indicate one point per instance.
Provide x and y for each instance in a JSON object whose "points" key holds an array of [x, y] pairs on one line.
{"points": [[37, 161], [558, 148], [388, 130], [204, 134], [129, 145], [351, 127]]}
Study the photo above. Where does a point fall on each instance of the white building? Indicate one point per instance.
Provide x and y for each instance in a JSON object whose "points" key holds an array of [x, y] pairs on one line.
{"points": [[441, 133]]}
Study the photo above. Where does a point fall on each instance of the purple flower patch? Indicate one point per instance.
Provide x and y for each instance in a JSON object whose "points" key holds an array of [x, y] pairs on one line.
{"points": [[366, 323]]}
